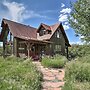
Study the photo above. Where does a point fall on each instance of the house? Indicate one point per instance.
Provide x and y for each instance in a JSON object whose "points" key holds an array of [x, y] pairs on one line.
{"points": [[19, 39]]}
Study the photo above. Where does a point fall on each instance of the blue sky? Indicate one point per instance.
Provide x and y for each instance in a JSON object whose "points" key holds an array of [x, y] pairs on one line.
{"points": [[34, 12]]}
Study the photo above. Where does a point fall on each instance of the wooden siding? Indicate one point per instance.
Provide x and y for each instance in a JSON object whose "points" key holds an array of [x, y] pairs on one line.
{"points": [[58, 41]]}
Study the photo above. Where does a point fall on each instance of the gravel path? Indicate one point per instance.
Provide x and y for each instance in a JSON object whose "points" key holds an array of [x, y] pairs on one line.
{"points": [[53, 78]]}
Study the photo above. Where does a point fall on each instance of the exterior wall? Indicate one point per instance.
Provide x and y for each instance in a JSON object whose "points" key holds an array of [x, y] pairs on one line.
{"points": [[59, 42]]}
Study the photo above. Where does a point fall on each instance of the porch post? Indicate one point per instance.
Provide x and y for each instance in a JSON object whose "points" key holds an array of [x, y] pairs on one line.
{"points": [[28, 48], [67, 51], [4, 48], [10, 37], [15, 46]]}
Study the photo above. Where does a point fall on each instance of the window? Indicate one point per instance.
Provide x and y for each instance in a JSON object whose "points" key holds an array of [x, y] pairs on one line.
{"points": [[58, 34], [57, 47], [49, 31], [42, 32]]}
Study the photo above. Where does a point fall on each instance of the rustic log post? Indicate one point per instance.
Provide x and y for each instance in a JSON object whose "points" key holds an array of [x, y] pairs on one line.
{"points": [[29, 45], [4, 48], [67, 51], [28, 48], [15, 46], [10, 37]]}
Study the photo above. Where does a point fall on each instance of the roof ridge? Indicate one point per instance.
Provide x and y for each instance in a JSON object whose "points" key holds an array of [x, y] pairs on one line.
{"points": [[18, 23]]}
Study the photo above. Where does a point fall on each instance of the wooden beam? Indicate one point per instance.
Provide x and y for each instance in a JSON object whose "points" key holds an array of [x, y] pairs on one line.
{"points": [[15, 46], [67, 51], [4, 48], [10, 36], [28, 49], [29, 45]]}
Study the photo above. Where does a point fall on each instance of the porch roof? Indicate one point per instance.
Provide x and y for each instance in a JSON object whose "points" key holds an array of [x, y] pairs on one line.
{"points": [[33, 40]]}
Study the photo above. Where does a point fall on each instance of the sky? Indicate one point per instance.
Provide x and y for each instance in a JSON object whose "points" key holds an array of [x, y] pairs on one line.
{"points": [[34, 12]]}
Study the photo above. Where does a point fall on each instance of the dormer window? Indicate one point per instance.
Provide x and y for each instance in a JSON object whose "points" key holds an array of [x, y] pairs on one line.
{"points": [[42, 32], [49, 31]]}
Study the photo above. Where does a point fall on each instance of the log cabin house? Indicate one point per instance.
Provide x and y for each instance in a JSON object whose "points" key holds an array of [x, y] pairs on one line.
{"points": [[19, 39]]}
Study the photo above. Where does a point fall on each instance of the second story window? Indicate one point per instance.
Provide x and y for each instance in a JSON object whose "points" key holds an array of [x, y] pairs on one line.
{"points": [[42, 32], [58, 34]]}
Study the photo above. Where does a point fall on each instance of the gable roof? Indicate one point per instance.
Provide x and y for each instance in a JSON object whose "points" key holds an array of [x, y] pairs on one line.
{"points": [[19, 30], [30, 33], [48, 36], [53, 28], [47, 27]]}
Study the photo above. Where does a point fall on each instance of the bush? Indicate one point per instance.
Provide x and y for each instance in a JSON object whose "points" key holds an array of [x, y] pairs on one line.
{"points": [[19, 74], [55, 62], [78, 71], [79, 51], [84, 59], [77, 74]]}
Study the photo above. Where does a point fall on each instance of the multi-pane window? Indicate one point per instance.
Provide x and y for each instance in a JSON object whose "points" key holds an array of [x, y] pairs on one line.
{"points": [[57, 47], [42, 32]]}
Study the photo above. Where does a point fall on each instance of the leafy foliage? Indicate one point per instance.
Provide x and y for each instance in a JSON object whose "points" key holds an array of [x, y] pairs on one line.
{"points": [[19, 74], [79, 51], [80, 18]]}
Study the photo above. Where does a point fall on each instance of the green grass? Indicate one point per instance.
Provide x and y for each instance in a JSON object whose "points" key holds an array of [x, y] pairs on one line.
{"points": [[56, 62], [75, 85], [77, 74], [19, 74]]}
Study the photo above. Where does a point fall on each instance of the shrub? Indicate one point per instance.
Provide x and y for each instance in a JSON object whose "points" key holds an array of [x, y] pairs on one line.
{"points": [[78, 71], [79, 51], [77, 74], [55, 62], [19, 74], [84, 59]]}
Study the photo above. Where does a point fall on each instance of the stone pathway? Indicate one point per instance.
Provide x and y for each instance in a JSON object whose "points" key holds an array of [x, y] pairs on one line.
{"points": [[53, 78]]}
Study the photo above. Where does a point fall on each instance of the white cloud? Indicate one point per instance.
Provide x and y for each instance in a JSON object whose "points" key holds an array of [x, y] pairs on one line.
{"points": [[18, 12], [66, 23], [62, 5], [66, 27], [63, 18], [65, 10]]}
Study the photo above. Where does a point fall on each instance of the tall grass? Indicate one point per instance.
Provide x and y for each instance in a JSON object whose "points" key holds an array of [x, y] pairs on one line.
{"points": [[77, 74], [57, 61], [19, 74]]}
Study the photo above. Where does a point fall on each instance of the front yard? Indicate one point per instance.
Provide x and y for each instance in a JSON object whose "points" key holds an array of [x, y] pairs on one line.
{"points": [[19, 74]]}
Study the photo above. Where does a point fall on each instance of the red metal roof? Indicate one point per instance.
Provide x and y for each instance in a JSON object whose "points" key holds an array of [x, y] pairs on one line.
{"points": [[53, 28], [20, 30], [47, 27], [30, 33]]}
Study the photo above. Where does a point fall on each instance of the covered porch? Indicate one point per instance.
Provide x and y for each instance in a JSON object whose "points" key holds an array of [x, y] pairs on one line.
{"points": [[31, 48]]}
